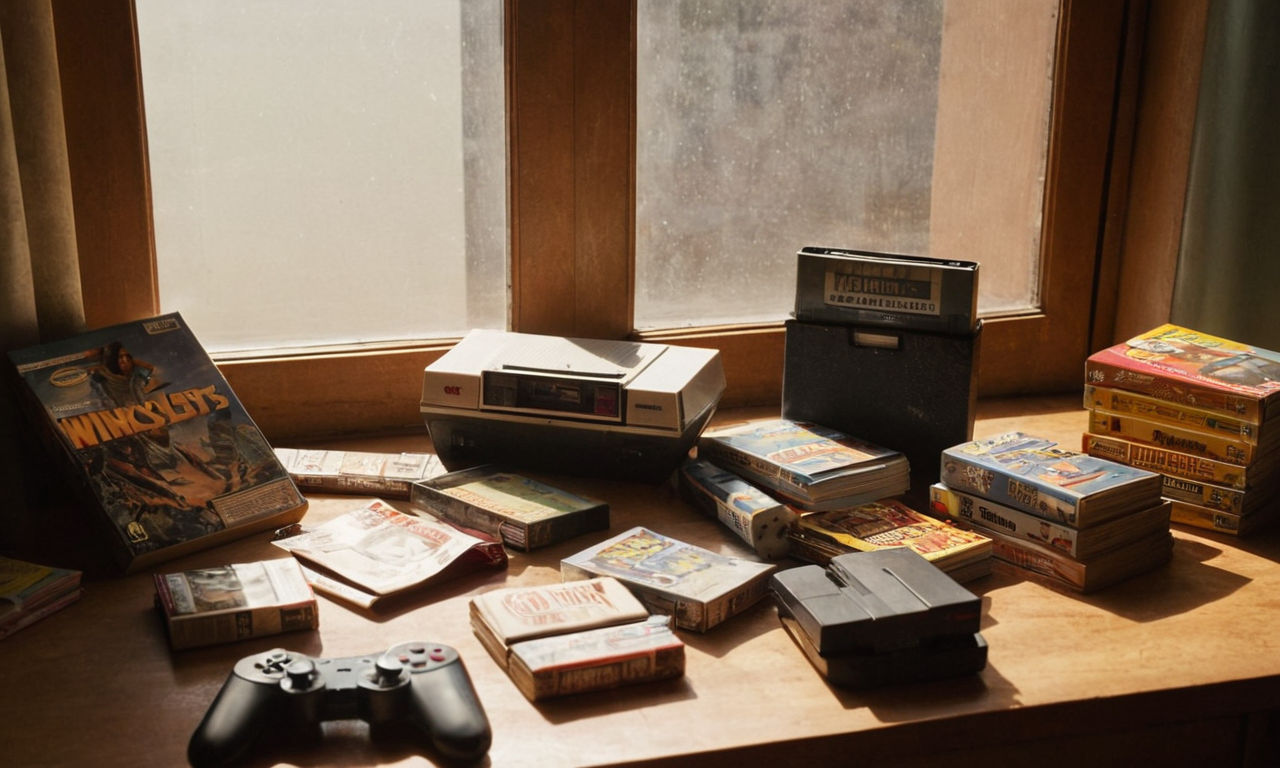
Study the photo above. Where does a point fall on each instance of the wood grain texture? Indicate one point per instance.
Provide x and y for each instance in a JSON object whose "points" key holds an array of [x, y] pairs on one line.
{"points": [[540, 112], [1107, 294], [1175, 664], [571, 117], [1085, 79], [106, 148], [604, 168], [316, 396]]}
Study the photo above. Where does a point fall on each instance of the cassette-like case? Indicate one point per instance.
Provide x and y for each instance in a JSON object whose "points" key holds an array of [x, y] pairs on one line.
{"points": [[887, 290]]}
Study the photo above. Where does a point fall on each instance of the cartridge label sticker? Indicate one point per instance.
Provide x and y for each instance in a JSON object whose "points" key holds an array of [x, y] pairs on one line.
{"points": [[885, 287]]}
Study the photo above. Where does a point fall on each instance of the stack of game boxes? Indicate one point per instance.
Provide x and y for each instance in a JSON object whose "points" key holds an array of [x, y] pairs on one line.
{"points": [[833, 492], [1058, 516], [1202, 411]]}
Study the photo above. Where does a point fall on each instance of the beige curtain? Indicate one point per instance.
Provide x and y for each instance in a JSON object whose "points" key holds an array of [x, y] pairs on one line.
{"points": [[40, 296]]}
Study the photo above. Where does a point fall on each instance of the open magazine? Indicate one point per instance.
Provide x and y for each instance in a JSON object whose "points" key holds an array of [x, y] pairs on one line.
{"points": [[375, 551]]}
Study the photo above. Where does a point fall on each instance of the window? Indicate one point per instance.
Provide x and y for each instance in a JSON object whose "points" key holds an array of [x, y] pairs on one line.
{"points": [[571, 107], [310, 155], [764, 126]]}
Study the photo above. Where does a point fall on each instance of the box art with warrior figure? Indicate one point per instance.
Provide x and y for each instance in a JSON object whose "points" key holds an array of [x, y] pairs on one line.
{"points": [[157, 438]]}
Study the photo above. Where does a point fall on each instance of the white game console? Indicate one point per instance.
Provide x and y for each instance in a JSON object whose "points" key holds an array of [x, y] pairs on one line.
{"points": [[596, 407]]}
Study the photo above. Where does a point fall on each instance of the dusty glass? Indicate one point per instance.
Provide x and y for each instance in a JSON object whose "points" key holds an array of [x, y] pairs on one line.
{"points": [[326, 172], [764, 126]]}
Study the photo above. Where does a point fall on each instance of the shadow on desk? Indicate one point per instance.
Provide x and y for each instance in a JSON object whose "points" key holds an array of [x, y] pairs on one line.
{"points": [[1187, 582], [344, 743], [903, 703], [1264, 543], [584, 706], [395, 606]]}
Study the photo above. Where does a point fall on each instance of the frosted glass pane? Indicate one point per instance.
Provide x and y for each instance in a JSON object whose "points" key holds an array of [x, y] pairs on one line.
{"points": [[767, 125], [326, 172]]}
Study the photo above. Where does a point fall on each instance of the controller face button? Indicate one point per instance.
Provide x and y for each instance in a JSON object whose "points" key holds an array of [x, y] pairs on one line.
{"points": [[301, 673], [437, 654]]}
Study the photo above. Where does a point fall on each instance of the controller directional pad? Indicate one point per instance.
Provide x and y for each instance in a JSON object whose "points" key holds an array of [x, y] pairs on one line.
{"points": [[274, 663]]}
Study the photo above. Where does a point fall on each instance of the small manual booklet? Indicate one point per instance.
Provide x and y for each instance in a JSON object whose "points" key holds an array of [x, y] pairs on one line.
{"points": [[525, 513], [698, 588], [30, 591], [223, 604], [376, 551], [576, 636]]}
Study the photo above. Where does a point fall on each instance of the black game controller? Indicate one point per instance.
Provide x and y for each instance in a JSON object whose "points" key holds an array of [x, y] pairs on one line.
{"points": [[420, 683]]}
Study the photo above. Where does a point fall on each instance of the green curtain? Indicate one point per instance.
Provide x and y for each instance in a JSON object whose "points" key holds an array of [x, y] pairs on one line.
{"points": [[1228, 278]]}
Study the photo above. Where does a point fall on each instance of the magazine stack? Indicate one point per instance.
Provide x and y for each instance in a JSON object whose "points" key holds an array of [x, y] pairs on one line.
{"points": [[1060, 517], [1203, 412], [843, 495], [809, 466], [820, 537], [31, 591]]}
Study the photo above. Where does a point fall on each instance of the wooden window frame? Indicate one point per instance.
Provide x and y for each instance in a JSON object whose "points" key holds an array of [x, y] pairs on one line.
{"points": [[571, 137]]}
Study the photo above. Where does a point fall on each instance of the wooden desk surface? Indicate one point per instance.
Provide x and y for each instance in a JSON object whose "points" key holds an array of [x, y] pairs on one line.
{"points": [[1108, 678]]}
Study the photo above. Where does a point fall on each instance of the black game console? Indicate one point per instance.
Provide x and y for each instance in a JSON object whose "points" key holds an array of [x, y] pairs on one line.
{"points": [[879, 617], [915, 391], [422, 684], [885, 347], [886, 290], [875, 601]]}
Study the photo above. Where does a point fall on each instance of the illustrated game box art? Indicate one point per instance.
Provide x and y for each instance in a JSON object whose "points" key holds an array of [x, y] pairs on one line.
{"points": [[698, 588], [155, 437], [1186, 367]]}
